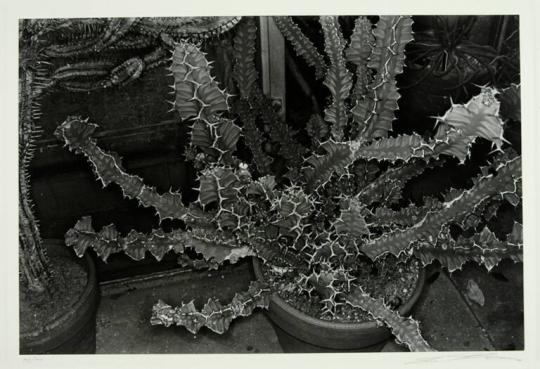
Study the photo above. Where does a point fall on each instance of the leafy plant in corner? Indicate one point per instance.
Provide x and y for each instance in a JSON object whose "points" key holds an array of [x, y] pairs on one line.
{"points": [[312, 211], [445, 52]]}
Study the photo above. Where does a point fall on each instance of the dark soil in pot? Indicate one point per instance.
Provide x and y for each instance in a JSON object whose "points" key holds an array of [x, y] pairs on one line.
{"points": [[63, 321], [302, 327]]}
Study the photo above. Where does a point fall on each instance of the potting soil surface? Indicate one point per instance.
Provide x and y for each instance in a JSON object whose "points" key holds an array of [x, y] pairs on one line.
{"points": [[69, 280], [388, 279]]}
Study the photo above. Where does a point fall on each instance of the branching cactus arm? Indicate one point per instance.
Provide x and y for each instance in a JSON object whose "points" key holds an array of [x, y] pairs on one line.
{"points": [[254, 105], [338, 78], [199, 98], [280, 132], [253, 136], [108, 241], [302, 45], [388, 186], [405, 217], [245, 75], [375, 113], [197, 94], [462, 124], [214, 314], [214, 247], [319, 168], [35, 270], [92, 35], [358, 53], [406, 330], [77, 135], [244, 71], [186, 27], [453, 210], [392, 149], [484, 248], [458, 129]]}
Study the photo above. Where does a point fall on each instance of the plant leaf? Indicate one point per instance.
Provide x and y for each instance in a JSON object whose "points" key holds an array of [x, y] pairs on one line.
{"points": [[474, 293]]}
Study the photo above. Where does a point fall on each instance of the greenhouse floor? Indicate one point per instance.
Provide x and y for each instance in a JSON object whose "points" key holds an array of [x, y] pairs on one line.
{"points": [[470, 310]]}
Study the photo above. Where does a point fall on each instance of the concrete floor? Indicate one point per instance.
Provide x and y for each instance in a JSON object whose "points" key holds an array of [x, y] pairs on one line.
{"points": [[123, 320], [452, 318]]}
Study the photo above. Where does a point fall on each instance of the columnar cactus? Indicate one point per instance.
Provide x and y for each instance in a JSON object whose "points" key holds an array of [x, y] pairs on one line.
{"points": [[332, 204], [36, 274], [92, 45]]}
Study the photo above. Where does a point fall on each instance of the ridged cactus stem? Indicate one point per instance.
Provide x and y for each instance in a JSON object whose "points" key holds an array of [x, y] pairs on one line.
{"points": [[244, 71], [338, 78], [186, 27], [33, 262], [358, 53], [484, 248], [214, 247], [35, 271], [76, 133], [301, 44], [406, 330], [99, 34], [375, 113], [253, 137], [213, 315], [506, 181]]}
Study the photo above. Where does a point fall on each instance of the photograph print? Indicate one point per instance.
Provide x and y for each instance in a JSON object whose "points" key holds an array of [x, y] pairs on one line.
{"points": [[270, 184]]}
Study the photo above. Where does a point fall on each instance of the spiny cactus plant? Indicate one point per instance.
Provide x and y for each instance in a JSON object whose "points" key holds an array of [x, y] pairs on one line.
{"points": [[46, 42], [34, 266], [92, 45], [312, 210]]}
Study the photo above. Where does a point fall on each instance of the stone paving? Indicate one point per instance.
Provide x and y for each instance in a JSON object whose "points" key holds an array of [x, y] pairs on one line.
{"points": [[452, 317]]}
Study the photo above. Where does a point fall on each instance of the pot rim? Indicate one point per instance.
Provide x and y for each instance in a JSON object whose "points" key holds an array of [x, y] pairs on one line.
{"points": [[72, 311], [404, 309]]}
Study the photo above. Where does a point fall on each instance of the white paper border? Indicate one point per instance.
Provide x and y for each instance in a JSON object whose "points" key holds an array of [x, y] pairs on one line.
{"points": [[530, 53]]}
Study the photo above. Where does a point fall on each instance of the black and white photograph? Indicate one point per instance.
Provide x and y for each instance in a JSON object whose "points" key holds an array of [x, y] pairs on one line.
{"points": [[303, 183]]}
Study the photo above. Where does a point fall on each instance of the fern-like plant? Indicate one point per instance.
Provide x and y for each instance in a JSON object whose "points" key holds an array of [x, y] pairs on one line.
{"points": [[312, 211]]}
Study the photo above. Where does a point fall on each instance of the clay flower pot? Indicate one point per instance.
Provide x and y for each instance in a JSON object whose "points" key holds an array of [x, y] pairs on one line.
{"points": [[299, 332], [74, 330]]}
